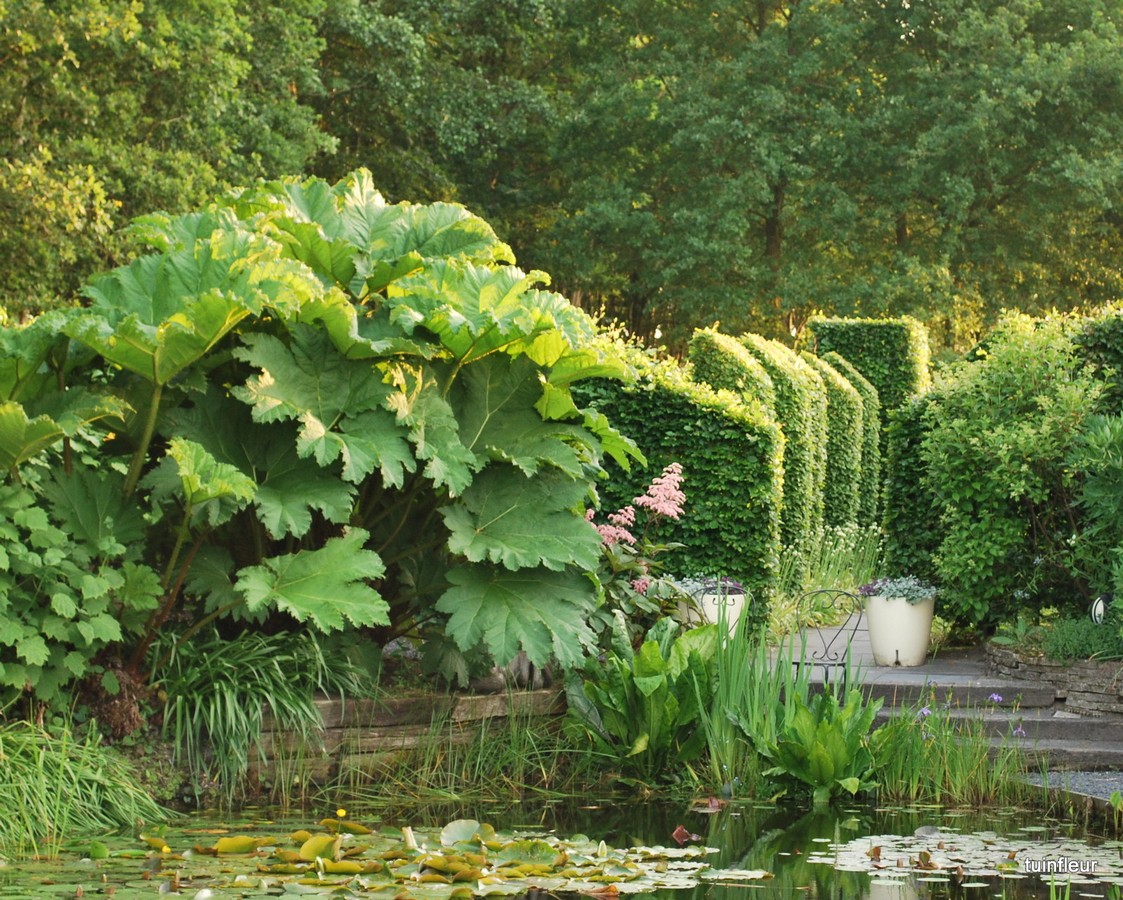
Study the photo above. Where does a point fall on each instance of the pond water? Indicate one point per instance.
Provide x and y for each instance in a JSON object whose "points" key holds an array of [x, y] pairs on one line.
{"points": [[598, 849]]}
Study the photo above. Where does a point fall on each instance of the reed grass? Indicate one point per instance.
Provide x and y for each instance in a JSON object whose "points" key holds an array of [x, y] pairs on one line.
{"points": [[751, 704], [515, 756], [929, 755], [54, 785]]}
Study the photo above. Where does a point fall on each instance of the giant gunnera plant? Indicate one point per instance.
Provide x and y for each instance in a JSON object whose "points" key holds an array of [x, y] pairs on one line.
{"points": [[305, 401]]}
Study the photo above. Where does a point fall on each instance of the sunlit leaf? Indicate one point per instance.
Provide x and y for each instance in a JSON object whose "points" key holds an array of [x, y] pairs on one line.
{"points": [[325, 587]]}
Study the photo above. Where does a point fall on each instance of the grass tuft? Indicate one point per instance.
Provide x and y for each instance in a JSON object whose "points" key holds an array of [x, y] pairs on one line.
{"points": [[54, 785], [220, 691]]}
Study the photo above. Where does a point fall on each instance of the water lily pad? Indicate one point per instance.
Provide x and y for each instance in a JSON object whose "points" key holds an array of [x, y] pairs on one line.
{"points": [[460, 831], [321, 845], [237, 844]]}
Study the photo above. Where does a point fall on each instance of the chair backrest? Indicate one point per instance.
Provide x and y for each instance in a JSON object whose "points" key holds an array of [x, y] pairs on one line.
{"points": [[828, 645]]}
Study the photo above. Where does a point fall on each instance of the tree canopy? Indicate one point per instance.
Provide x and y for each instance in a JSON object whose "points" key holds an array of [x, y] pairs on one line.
{"points": [[672, 164]]}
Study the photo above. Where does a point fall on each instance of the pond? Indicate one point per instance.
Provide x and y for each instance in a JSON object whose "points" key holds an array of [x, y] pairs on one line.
{"points": [[672, 852]]}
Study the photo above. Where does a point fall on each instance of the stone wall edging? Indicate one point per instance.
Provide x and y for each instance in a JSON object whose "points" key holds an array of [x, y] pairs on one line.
{"points": [[1088, 687]]}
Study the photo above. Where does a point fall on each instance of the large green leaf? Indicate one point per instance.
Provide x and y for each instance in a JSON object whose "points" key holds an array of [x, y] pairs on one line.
{"points": [[434, 431], [521, 522], [161, 351], [161, 313], [474, 310], [338, 403], [542, 612], [90, 505], [289, 487], [216, 489], [325, 587], [496, 398], [396, 241], [362, 333], [23, 437], [23, 356]]}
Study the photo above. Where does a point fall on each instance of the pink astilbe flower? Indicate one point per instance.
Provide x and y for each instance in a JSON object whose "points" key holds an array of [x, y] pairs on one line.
{"points": [[663, 496], [640, 585], [614, 534], [625, 517]]}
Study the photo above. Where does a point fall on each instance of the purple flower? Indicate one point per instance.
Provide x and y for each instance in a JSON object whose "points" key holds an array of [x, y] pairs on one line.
{"points": [[1019, 731], [995, 698], [923, 713]]}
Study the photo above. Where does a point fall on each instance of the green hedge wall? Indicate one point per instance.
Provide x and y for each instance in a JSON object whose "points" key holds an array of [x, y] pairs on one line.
{"points": [[801, 410], [730, 451], [841, 488], [892, 353], [869, 490], [912, 517], [723, 363]]}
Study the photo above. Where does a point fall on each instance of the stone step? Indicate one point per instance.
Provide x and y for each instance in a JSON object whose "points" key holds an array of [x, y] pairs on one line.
{"points": [[1083, 755], [965, 692], [1037, 723]]}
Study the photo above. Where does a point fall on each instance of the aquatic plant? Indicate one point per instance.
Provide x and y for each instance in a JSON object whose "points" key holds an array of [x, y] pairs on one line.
{"points": [[825, 745], [641, 708], [931, 755]]}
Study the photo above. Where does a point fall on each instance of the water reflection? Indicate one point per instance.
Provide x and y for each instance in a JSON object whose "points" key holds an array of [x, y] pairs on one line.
{"points": [[792, 843], [822, 854]]}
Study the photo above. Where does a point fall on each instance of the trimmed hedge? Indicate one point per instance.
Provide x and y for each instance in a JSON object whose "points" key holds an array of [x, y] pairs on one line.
{"points": [[912, 518], [843, 478], [801, 410], [869, 490], [892, 353], [730, 451], [723, 363]]}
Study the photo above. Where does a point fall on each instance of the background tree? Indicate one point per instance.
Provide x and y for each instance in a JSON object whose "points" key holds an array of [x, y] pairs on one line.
{"points": [[116, 108]]}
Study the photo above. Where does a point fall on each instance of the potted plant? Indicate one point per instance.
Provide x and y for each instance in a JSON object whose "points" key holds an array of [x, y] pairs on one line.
{"points": [[707, 597], [899, 617]]}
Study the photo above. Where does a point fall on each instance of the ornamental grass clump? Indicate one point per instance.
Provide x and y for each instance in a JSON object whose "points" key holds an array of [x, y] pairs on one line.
{"points": [[908, 588]]}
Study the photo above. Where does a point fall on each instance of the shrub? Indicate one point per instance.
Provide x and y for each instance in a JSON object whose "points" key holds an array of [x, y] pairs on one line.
{"points": [[1002, 431], [801, 410], [843, 478], [730, 452], [892, 353], [1069, 639], [724, 363], [1100, 342], [869, 492], [911, 518], [302, 401], [1096, 459]]}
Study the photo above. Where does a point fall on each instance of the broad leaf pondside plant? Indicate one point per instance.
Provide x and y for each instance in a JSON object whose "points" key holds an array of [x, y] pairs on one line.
{"points": [[643, 707], [302, 401], [826, 746]]}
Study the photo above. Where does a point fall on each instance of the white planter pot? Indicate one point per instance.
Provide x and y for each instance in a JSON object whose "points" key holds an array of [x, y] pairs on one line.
{"points": [[709, 605], [899, 630]]}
